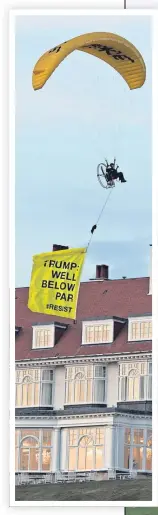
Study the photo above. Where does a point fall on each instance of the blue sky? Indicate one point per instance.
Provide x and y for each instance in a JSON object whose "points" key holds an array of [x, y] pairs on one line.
{"points": [[84, 113]]}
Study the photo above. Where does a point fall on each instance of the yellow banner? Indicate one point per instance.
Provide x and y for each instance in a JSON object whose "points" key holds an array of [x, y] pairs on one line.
{"points": [[55, 282]]}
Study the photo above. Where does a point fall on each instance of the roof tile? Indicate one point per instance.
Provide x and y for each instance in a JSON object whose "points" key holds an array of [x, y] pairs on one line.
{"points": [[120, 298]]}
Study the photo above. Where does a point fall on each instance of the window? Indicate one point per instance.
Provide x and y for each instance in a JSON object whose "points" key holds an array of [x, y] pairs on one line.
{"points": [[34, 387], [138, 449], [43, 336], [97, 332], [149, 450], [140, 329], [85, 384], [135, 381], [86, 448], [33, 450]]}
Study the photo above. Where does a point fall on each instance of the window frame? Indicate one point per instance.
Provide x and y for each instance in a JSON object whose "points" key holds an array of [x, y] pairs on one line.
{"points": [[76, 446], [94, 324], [40, 382], [40, 448], [138, 320], [47, 327], [123, 380], [133, 445], [93, 378]]}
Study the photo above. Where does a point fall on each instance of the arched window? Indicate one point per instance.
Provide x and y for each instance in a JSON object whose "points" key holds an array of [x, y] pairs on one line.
{"points": [[85, 384], [33, 450], [29, 453], [135, 381], [86, 448], [79, 387], [26, 387], [34, 387], [133, 385], [85, 453]]}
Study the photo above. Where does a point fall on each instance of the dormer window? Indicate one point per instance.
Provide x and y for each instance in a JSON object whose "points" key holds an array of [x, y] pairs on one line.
{"points": [[140, 329], [97, 332], [46, 336], [43, 336]]}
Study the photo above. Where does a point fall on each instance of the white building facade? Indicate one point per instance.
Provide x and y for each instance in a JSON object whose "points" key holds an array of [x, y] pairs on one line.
{"points": [[84, 391]]}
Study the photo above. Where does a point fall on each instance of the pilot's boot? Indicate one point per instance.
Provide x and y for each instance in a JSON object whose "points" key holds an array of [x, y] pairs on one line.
{"points": [[121, 177]]}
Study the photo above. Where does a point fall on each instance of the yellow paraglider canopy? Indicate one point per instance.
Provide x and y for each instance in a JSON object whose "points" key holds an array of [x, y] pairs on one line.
{"points": [[111, 48]]}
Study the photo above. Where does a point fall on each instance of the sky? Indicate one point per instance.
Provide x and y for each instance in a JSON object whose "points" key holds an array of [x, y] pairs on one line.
{"points": [[84, 114]]}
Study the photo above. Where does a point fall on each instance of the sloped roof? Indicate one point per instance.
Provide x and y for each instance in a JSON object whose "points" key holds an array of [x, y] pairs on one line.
{"points": [[107, 298]]}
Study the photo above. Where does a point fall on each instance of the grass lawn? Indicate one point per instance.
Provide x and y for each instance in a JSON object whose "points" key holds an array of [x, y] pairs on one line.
{"points": [[139, 489]]}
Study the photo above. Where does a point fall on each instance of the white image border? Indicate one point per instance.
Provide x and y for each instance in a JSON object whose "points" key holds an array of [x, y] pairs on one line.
{"points": [[87, 12]]}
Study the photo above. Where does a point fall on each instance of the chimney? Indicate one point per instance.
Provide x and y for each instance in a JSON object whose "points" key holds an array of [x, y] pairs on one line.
{"points": [[58, 247], [150, 271], [102, 272]]}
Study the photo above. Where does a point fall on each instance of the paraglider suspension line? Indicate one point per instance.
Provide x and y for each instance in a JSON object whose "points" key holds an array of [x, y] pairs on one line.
{"points": [[100, 214]]}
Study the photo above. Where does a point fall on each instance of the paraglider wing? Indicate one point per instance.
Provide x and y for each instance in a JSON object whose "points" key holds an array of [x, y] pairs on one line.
{"points": [[114, 50]]}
